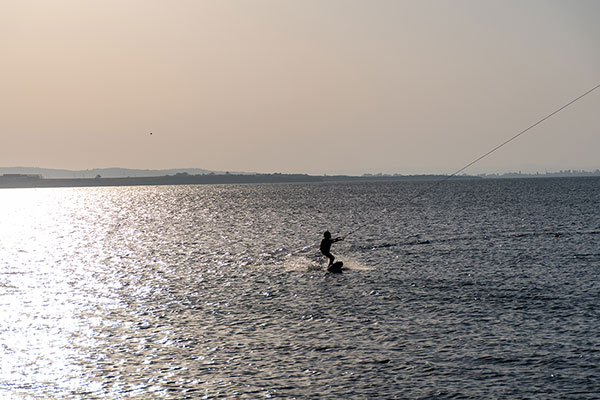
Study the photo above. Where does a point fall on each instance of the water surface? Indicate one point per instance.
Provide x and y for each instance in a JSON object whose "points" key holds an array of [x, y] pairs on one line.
{"points": [[477, 289]]}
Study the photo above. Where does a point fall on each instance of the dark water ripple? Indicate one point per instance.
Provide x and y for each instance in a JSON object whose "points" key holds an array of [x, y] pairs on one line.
{"points": [[476, 290]]}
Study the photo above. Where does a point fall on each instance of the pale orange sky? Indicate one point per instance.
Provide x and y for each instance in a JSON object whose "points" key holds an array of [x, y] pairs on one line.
{"points": [[311, 86]]}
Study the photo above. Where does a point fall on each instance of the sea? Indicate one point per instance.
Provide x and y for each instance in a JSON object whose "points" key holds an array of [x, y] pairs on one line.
{"points": [[466, 289]]}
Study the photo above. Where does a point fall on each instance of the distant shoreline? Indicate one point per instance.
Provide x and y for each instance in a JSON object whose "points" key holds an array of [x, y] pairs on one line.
{"points": [[8, 181], [32, 181], [35, 181]]}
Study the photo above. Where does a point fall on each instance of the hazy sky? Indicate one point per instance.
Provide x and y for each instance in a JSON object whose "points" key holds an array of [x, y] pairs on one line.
{"points": [[315, 86]]}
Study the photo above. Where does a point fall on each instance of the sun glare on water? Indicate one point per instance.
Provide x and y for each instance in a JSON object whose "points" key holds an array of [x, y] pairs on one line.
{"points": [[41, 334]]}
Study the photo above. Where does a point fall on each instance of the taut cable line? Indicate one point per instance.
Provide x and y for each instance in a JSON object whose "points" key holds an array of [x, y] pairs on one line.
{"points": [[437, 183]]}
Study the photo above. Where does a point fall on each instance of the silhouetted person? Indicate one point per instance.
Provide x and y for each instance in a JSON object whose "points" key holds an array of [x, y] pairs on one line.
{"points": [[326, 246]]}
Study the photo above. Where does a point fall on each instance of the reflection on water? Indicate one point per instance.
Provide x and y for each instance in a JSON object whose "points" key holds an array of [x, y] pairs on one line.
{"points": [[219, 291]]}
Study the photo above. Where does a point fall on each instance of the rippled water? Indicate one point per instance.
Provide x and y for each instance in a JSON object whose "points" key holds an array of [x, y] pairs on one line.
{"points": [[483, 289]]}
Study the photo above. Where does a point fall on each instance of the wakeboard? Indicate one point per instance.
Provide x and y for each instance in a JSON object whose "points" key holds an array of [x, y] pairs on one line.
{"points": [[336, 267]]}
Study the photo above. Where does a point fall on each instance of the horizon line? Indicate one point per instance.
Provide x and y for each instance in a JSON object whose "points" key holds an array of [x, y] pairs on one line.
{"points": [[497, 172]]}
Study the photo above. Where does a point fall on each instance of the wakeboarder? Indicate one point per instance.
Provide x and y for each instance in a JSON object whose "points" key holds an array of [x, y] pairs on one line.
{"points": [[326, 246]]}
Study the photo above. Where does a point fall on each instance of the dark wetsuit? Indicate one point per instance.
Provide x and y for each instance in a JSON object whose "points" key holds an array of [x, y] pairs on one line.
{"points": [[326, 249]]}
